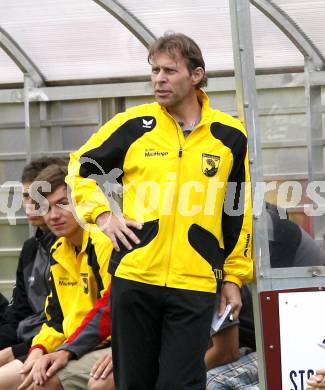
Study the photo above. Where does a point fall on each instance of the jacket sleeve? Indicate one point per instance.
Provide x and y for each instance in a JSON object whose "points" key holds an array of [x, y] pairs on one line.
{"points": [[19, 307], [21, 349], [3, 305], [91, 168], [237, 216], [51, 334], [94, 329]]}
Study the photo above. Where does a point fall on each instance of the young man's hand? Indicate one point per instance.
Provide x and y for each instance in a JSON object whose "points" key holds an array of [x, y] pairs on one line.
{"points": [[118, 228], [48, 365], [103, 367], [27, 370]]}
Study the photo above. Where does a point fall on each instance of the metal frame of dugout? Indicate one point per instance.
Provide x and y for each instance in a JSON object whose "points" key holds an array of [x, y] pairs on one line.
{"points": [[271, 282]]}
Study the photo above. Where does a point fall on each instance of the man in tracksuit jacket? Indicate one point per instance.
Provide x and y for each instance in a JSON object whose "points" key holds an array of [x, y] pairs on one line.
{"points": [[24, 316], [78, 272], [179, 237]]}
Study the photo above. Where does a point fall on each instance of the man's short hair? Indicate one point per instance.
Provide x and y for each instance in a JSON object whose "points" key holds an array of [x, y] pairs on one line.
{"points": [[172, 42], [54, 175], [34, 168]]}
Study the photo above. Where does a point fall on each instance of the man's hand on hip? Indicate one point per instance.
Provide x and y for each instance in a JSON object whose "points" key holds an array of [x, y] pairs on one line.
{"points": [[118, 229]]}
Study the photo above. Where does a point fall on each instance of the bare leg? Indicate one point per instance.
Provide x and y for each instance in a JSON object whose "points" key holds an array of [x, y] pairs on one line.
{"points": [[51, 384], [10, 377], [102, 384]]}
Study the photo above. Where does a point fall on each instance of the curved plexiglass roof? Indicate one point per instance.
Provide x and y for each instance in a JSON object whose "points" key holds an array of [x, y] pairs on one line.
{"points": [[79, 40]]}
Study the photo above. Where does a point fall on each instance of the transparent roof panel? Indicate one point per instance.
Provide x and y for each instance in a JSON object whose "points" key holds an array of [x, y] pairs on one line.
{"points": [[310, 16], [9, 72], [78, 39], [72, 39], [272, 48], [209, 25]]}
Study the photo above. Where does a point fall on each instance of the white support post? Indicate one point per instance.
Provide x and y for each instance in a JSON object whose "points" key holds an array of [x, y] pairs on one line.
{"points": [[247, 109]]}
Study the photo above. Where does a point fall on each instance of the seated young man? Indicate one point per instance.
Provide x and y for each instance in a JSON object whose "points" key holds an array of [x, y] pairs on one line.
{"points": [[78, 274], [25, 314]]}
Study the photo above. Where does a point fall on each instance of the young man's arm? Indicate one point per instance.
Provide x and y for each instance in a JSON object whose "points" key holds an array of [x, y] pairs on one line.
{"points": [[51, 334], [19, 307], [3, 306], [95, 327], [48, 339]]}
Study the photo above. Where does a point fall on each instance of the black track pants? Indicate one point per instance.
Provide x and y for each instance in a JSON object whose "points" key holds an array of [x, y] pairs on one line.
{"points": [[159, 336]]}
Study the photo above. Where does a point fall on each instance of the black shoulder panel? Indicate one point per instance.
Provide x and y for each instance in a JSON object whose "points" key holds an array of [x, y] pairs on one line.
{"points": [[93, 263], [207, 246], [236, 141], [54, 309], [233, 138], [111, 153]]}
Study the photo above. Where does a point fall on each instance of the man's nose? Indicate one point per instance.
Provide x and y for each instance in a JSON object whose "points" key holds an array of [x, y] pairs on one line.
{"points": [[161, 76], [55, 213]]}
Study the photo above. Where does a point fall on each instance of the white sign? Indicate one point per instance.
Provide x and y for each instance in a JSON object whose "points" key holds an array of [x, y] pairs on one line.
{"points": [[302, 329]]}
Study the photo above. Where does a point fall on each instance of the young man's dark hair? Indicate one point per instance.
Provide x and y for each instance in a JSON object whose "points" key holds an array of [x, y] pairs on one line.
{"points": [[32, 169], [189, 50], [54, 174]]}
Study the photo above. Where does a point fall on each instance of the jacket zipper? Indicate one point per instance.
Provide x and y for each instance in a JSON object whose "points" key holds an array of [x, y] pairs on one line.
{"points": [[180, 154]]}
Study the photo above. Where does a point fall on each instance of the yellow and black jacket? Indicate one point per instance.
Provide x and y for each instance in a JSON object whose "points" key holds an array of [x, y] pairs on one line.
{"points": [[191, 237], [77, 281]]}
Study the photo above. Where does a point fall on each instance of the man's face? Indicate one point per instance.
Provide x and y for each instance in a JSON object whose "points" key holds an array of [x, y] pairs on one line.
{"points": [[59, 217], [31, 209], [171, 79]]}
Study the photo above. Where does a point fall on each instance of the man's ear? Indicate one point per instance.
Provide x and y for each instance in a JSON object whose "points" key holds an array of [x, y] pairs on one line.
{"points": [[197, 75]]}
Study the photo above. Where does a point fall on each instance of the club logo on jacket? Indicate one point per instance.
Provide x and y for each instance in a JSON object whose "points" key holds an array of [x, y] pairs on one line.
{"points": [[85, 281], [210, 164], [148, 123]]}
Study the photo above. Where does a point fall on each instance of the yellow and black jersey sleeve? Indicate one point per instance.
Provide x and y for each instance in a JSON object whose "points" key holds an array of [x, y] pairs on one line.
{"points": [[51, 334], [97, 167], [237, 210]]}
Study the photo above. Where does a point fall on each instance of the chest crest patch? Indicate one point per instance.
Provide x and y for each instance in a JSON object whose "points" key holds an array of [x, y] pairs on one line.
{"points": [[85, 282], [210, 164]]}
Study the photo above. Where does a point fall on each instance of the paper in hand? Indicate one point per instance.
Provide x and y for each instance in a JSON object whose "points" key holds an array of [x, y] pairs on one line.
{"points": [[217, 320]]}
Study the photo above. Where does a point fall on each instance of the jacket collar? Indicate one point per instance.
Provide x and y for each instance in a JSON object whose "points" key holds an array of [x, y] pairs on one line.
{"points": [[205, 103]]}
